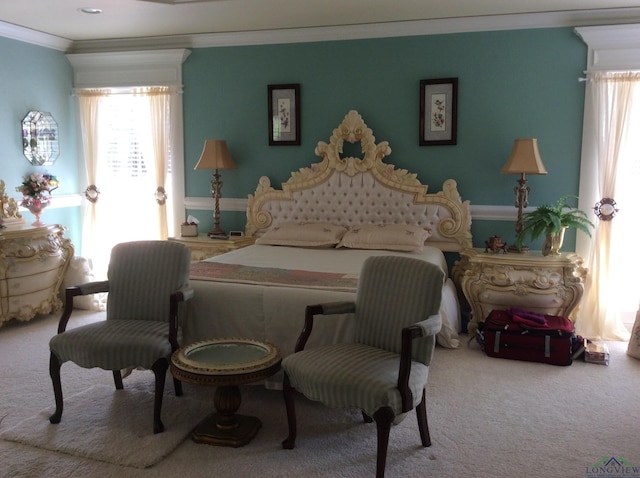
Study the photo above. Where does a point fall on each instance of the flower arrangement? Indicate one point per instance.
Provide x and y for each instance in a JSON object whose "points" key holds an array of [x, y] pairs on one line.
{"points": [[36, 189]]}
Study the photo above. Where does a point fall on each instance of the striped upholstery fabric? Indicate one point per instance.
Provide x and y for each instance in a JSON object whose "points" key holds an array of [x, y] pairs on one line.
{"points": [[353, 376], [142, 275], [114, 344], [393, 292]]}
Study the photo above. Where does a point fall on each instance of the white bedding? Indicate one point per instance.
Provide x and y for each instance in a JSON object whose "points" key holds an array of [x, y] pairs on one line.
{"points": [[348, 261], [276, 313]]}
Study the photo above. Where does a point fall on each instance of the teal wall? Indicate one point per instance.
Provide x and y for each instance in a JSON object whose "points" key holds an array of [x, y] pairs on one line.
{"points": [[511, 84], [37, 78]]}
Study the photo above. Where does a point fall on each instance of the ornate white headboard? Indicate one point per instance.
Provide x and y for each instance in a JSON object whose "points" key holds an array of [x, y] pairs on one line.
{"points": [[353, 191]]}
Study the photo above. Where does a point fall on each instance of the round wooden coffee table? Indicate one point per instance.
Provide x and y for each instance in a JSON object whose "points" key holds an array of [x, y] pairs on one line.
{"points": [[226, 364]]}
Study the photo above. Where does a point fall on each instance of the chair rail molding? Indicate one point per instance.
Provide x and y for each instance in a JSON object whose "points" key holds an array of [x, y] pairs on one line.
{"points": [[206, 204], [478, 212]]}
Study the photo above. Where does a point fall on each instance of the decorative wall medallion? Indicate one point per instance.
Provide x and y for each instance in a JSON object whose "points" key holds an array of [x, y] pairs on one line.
{"points": [[605, 209]]}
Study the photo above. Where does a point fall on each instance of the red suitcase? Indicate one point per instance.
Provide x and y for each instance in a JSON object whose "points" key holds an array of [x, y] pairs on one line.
{"points": [[519, 335]]}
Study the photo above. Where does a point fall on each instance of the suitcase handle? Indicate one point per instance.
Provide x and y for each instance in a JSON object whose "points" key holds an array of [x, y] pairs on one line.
{"points": [[527, 317], [528, 322]]}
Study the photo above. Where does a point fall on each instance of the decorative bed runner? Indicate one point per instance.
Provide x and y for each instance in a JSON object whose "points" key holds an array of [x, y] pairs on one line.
{"points": [[215, 271]]}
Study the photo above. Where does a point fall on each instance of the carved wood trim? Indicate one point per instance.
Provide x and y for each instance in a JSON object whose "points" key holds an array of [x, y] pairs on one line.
{"points": [[353, 129]]}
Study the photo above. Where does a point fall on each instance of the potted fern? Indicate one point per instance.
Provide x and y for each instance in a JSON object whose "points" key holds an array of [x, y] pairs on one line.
{"points": [[551, 220]]}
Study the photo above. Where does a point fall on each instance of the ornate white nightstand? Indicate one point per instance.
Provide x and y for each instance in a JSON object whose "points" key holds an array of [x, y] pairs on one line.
{"points": [[202, 246], [550, 285]]}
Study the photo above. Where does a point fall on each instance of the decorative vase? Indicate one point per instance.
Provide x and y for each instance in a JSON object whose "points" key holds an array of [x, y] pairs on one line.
{"points": [[553, 243], [35, 207]]}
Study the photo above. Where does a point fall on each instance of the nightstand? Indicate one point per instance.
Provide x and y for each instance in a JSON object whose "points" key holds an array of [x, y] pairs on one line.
{"points": [[202, 246], [546, 284]]}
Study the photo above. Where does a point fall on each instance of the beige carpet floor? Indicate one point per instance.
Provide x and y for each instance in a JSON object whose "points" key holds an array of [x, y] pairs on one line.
{"points": [[488, 417]]}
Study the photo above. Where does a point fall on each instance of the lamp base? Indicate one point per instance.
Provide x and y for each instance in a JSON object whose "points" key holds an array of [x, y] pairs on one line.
{"points": [[217, 233]]}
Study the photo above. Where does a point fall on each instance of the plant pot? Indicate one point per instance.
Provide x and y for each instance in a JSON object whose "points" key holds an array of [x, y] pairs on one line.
{"points": [[553, 243]]}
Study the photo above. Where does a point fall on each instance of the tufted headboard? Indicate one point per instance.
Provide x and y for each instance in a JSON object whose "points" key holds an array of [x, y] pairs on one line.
{"points": [[354, 191]]}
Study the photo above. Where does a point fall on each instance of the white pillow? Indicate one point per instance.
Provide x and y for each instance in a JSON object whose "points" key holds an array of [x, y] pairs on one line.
{"points": [[392, 237], [312, 234], [80, 271]]}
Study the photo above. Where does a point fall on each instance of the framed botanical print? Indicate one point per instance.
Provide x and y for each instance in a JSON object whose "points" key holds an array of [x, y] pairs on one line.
{"points": [[438, 111], [284, 114]]}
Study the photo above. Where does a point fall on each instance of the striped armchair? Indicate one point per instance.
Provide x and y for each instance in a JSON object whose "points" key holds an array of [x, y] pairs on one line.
{"points": [[384, 371], [146, 281]]}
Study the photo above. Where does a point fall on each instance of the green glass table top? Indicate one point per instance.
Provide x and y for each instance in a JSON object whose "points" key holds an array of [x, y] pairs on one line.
{"points": [[227, 353]]}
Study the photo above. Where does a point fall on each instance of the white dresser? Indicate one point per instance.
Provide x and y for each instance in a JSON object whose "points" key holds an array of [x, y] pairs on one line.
{"points": [[33, 261]]}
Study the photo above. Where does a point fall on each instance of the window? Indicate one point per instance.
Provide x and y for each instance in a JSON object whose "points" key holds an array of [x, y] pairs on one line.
{"points": [[99, 76], [131, 161], [609, 168]]}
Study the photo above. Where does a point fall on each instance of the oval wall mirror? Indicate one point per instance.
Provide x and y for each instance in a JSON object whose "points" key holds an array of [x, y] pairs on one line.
{"points": [[40, 138]]}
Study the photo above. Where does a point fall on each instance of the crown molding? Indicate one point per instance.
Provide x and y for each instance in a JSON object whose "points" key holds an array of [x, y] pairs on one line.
{"points": [[34, 37], [373, 30], [345, 32], [612, 47], [128, 68]]}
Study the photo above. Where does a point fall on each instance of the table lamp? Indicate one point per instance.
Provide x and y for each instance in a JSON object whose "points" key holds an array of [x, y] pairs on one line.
{"points": [[524, 159], [215, 155]]}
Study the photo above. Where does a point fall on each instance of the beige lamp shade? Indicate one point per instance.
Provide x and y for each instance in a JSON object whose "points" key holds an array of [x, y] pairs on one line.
{"points": [[524, 158], [215, 155]]}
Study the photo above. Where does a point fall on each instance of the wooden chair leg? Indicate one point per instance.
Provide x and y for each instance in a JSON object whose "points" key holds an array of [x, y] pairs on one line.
{"points": [[177, 386], [160, 371], [117, 379], [384, 418], [366, 418], [54, 372], [423, 423], [289, 443]]}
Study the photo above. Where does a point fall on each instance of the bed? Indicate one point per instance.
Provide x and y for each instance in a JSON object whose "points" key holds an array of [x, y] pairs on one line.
{"points": [[311, 237]]}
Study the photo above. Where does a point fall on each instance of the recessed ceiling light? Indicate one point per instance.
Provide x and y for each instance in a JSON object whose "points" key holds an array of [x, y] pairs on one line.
{"points": [[91, 11]]}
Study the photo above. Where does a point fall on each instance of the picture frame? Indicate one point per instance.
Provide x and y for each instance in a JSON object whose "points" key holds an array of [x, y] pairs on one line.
{"points": [[439, 112], [284, 114]]}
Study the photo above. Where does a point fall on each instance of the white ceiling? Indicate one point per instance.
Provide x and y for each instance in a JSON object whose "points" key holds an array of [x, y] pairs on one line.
{"points": [[122, 19]]}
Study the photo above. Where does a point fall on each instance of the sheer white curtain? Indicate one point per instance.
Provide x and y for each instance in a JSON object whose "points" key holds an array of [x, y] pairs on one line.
{"points": [[126, 138], [612, 113], [159, 108], [89, 106]]}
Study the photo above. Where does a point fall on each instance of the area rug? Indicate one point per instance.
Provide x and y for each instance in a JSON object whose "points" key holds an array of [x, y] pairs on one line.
{"points": [[114, 426]]}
